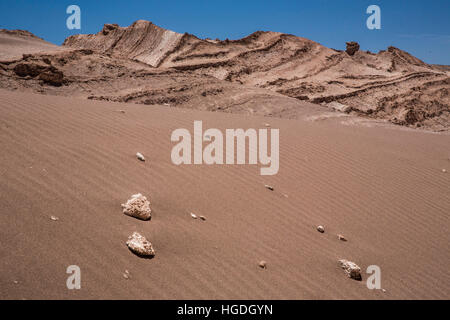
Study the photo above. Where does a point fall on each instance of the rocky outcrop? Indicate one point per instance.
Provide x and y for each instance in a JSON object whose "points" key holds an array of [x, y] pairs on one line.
{"points": [[142, 41], [352, 48], [143, 63], [107, 28], [48, 74]]}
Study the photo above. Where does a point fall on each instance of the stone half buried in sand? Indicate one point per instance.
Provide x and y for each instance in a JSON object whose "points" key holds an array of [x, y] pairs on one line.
{"points": [[339, 107], [140, 246], [140, 156], [351, 269], [138, 206]]}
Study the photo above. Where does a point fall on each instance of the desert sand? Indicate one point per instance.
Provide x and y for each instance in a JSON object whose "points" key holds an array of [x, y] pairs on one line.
{"points": [[382, 187]]}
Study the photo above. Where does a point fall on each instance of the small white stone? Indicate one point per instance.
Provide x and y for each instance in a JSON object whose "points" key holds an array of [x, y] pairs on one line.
{"points": [[138, 206], [269, 187], [262, 264], [444, 171], [140, 245], [140, 156], [321, 229], [54, 218], [202, 218], [341, 237], [193, 215]]}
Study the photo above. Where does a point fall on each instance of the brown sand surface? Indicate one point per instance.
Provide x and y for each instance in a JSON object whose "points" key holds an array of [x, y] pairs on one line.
{"points": [[381, 186]]}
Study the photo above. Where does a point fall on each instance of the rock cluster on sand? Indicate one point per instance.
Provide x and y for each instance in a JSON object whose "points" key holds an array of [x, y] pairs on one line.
{"points": [[352, 48], [351, 269], [138, 206], [140, 245]]}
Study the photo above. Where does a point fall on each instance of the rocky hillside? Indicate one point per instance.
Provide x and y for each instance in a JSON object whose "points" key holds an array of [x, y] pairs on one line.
{"points": [[144, 63]]}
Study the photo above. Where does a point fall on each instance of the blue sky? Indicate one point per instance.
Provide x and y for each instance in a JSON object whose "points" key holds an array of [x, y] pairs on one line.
{"points": [[421, 27]]}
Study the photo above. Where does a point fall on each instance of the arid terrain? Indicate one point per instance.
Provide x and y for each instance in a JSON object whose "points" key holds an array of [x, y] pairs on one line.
{"points": [[265, 73], [364, 152], [383, 188]]}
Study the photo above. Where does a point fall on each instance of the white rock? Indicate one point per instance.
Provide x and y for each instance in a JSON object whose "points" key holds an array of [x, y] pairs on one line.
{"points": [[341, 237], [339, 106], [269, 187], [444, 171], [262, 264], [54, 218], [140, 245], [140, 156], [321, 229], [203, 218], [351, 269], [193, 215], [138, 206]]}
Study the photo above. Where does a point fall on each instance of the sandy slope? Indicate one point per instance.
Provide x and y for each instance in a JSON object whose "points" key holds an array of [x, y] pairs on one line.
{"points": [[382, 187], [15, 43]]}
